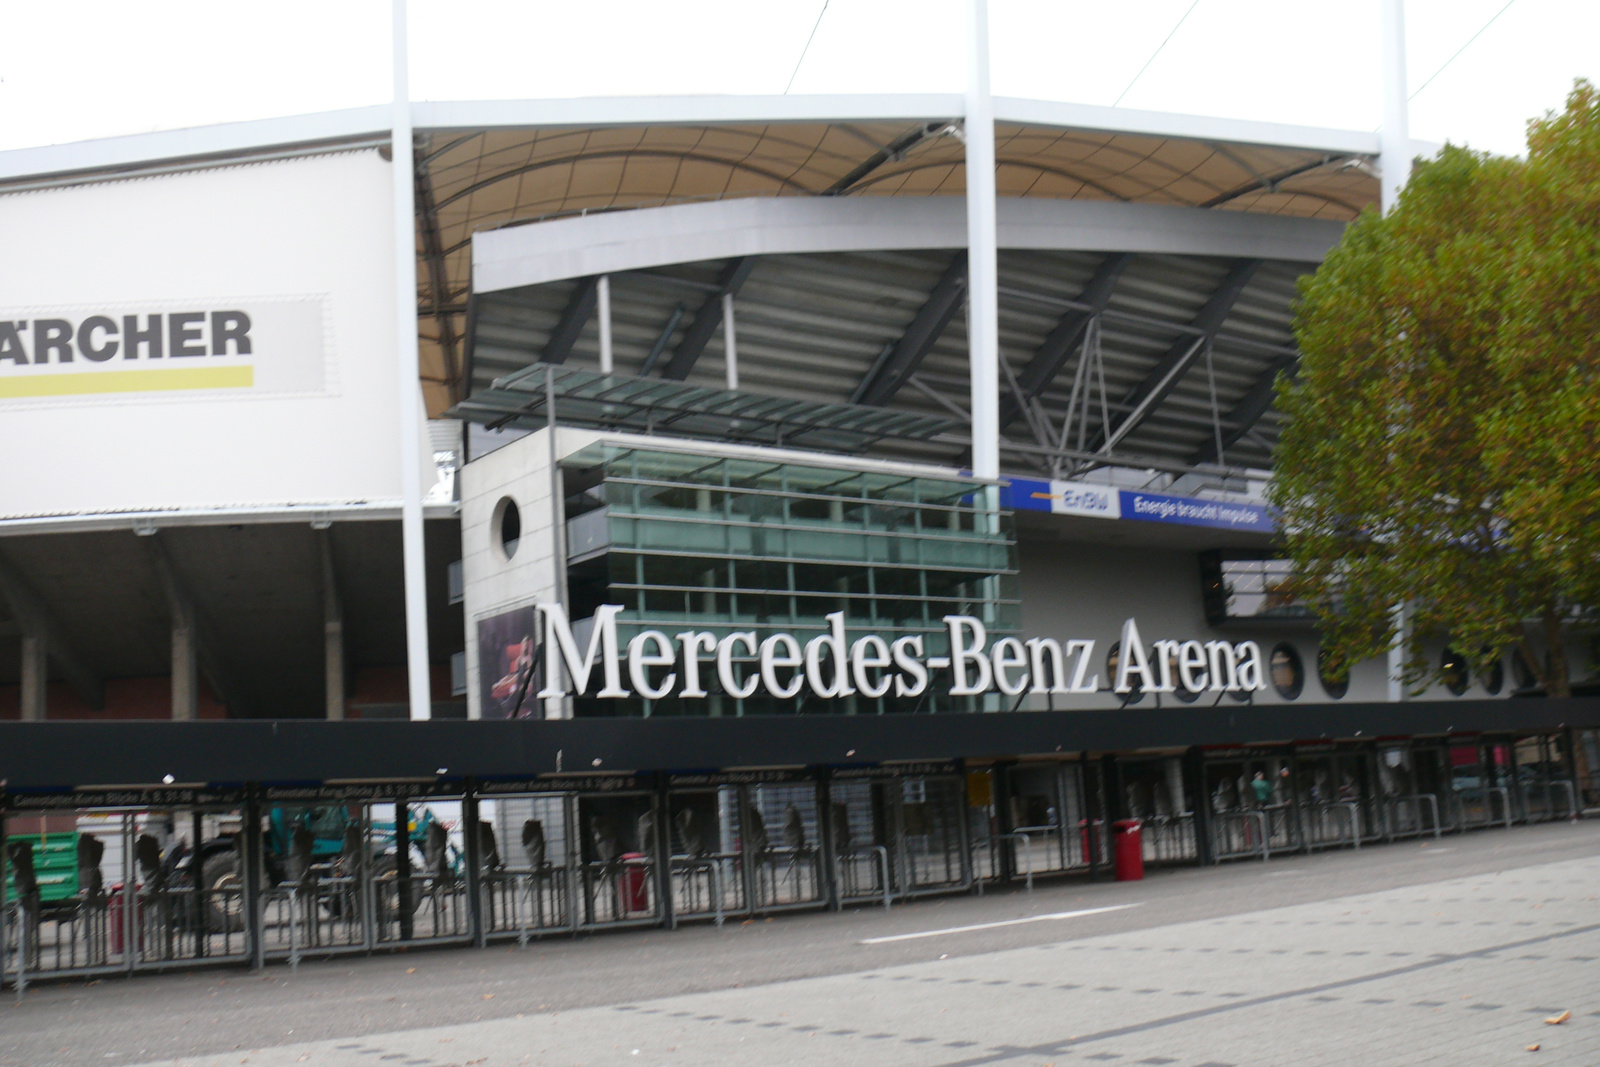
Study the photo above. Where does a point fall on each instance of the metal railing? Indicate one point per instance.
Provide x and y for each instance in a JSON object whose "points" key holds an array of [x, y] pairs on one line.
{"points": [[118, 932], [1170, 838], [1570, 793], [847, 870], [1487, 793], [787, 878], [1027, 851], [1417, 800], [1352, 815], [1241, 833]]}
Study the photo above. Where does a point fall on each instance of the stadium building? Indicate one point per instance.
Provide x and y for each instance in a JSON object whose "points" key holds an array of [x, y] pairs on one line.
{"points": [[767, 502]]}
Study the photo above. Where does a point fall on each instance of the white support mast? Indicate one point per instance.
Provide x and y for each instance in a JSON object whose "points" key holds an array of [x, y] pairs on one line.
{"points": [[1394, 136], [983, 316], [408, 371]]}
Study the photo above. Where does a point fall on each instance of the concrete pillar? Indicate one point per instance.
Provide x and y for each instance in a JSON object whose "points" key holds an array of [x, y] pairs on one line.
{"points": [[185, 664], [35, 676], [333, 653]]}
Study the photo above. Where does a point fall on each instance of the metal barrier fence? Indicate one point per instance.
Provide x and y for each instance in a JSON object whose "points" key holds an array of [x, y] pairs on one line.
{"points": [[62, 916], [1170, 839], [1483, 806], [1412, 815], [99, 891], [1241, 833]]}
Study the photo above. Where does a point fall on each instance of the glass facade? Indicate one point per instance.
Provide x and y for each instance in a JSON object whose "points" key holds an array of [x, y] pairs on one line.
{"points": [[695, 541]]}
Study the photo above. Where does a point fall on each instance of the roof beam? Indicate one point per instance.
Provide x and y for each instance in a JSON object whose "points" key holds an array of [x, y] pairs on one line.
{"points": [[1248, 411], [894, 151], [438, 278], [1052, 355], [1169, 370], [707, 319], [886, 378], [580, 305], [36, 620], [1268, 182]]}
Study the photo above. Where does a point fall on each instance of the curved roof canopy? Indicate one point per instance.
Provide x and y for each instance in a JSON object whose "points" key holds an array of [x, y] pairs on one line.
{"points": [[486, 165]]}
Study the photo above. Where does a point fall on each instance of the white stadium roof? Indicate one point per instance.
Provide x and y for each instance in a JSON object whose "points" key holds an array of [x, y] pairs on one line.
{"points": [[837, 221]]}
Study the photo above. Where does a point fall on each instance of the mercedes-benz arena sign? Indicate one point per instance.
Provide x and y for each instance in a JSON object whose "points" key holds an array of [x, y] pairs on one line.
{"points": [[832, 666]]}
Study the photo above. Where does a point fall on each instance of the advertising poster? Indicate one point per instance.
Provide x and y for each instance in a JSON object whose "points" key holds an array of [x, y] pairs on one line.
{"points": [[508, 659]]}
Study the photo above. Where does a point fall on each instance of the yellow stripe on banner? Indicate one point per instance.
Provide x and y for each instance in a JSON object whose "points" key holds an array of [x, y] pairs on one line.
{"points": [[154, 380]]}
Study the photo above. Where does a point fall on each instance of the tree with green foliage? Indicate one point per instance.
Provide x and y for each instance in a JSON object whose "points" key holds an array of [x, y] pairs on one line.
{"points": [[1442, 440]]}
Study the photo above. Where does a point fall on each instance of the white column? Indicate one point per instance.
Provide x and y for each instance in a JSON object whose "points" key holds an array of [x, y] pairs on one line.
{"points": [[1397, 656], [333, 654], [1394, 163], [730, 343], [983, 316], [185, 661], [35, 675], [1394, 137], [603, 297], [410, 379]]}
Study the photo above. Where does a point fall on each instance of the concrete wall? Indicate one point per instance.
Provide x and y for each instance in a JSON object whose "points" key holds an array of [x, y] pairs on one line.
{"points": [[491, 582], [1087, 591]]}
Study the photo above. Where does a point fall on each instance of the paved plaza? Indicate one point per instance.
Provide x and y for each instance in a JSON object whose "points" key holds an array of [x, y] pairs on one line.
{"points": [[1448, 952]]}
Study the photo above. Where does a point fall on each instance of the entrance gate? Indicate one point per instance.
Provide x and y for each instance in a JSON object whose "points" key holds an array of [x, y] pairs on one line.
{"points": [[109, 888]]}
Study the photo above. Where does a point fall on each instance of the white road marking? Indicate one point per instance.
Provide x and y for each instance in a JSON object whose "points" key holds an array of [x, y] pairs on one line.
{"points": [[993, 925], [1435, 850]]}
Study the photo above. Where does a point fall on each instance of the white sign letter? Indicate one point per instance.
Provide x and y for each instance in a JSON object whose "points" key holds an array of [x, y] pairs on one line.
{"points": [[1008, 655], [1055, 666], [1131, 659], [770, 661], [640, 662], [1251, 672], [870, 653], [963, 655], [1224, 666], [1166, 655], [833, 643], [693, 641], [602, 640], [1084, 650], [730, 684], [908, 659], [1192, 666]]}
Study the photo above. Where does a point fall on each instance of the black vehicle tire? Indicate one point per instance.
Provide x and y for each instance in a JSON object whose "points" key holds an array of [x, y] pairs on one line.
{"points": [[224, 893]]}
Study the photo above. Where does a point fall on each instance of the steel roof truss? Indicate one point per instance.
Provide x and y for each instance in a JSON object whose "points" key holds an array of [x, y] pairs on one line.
{"points": [[580, 305], [919, 337], [1242, 418], [1051, 356], [1170, 369], [707, 319]]}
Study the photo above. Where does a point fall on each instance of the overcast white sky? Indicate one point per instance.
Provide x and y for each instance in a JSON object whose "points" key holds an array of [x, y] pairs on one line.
{"points": [[77, 69]]}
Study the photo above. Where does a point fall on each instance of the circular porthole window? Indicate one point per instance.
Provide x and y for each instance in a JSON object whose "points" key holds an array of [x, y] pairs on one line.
{"points": [[1494, 679], [1455, 671], [1136, 684], [1521, 672], [507, 525], [1288, 673], [1335, 685]]}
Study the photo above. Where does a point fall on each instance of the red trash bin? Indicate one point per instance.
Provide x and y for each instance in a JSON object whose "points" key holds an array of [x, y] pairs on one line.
{"points": [[1127, 850], [116, 903], [633, 888]]}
